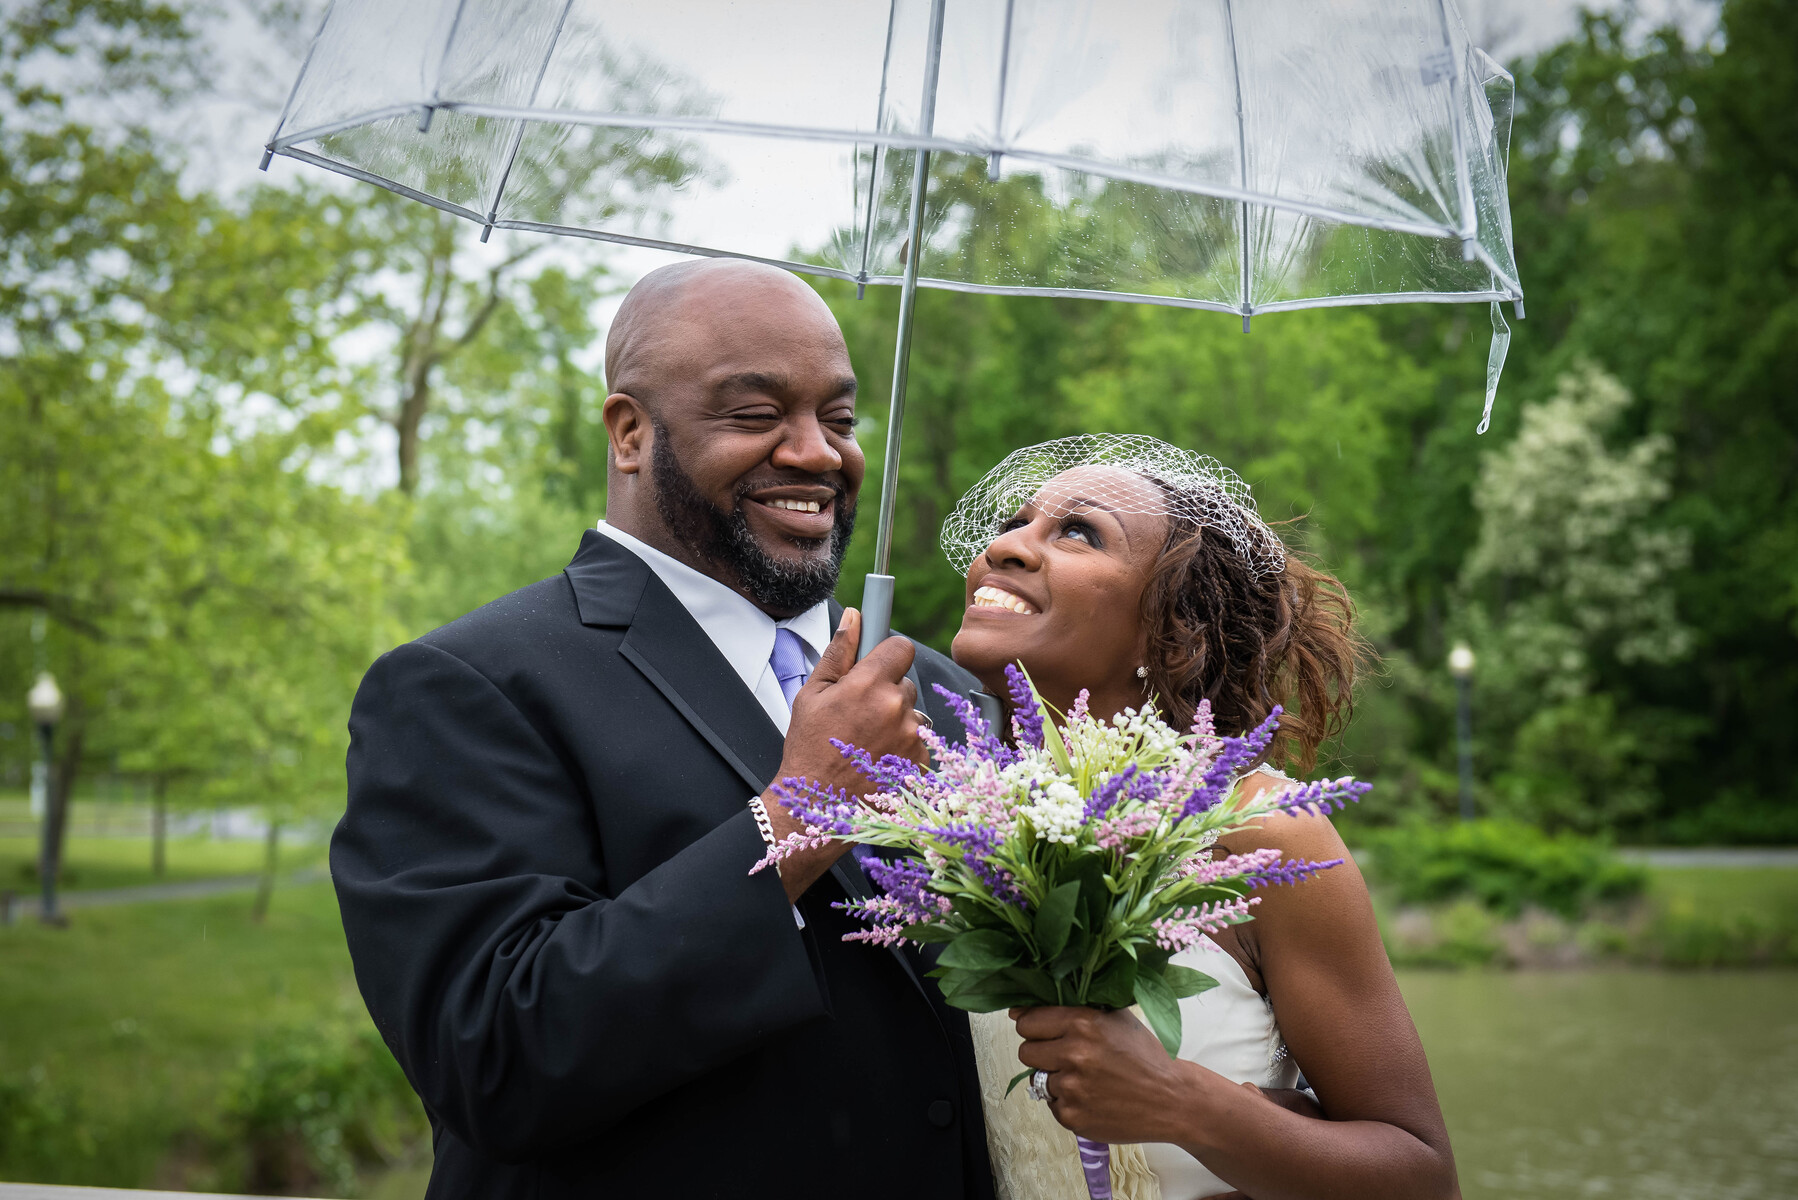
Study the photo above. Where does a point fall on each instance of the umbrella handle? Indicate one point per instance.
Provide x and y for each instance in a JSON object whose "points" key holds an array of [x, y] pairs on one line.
{"points": [[877, 613]]}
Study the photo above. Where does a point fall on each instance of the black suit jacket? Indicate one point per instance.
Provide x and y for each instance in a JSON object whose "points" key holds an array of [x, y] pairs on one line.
{"points": [[543, 872]]}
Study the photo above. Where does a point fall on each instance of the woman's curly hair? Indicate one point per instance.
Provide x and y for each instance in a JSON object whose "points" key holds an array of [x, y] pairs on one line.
{"points": [[1216, 631]]}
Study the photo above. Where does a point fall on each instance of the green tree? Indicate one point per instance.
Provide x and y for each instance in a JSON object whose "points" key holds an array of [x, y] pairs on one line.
{"points": [[1570, 585]]}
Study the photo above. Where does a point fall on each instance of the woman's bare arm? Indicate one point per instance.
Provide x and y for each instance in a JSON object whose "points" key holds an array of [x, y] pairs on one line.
{"points": [[1332, 988]]}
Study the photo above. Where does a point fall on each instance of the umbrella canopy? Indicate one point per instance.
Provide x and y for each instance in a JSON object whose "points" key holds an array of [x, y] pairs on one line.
{"points": [[1244, 156]]}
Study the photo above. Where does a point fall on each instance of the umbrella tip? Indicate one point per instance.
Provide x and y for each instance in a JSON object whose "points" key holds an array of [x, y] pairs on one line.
{"points": [[992, 167], [1517, 307], [424, 118], [1245, 322], [268, 154]]}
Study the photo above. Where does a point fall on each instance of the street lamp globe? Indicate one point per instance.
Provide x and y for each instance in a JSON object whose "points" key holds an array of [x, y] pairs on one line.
{"points": [[1460, 661], [44, 700]]}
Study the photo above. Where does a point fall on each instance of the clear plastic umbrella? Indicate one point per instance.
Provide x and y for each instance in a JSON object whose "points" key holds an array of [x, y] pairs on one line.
{"points": [[1243, 156]]}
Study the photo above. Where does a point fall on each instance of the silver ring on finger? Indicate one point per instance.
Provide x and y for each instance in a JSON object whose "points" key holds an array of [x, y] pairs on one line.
{"points": [[923, 718], [1038, 1087]]}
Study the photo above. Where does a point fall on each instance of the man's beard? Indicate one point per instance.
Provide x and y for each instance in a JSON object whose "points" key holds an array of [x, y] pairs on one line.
{"points": [[725, 541]]}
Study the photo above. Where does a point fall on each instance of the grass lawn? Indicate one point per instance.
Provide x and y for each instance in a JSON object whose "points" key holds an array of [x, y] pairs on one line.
{"points": [[1726, 892], [115, 862], [140, 1010]]}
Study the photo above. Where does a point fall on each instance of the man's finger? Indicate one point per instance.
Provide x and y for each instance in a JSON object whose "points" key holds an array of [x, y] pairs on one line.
{"points": [[839, 656], [891, 659]]}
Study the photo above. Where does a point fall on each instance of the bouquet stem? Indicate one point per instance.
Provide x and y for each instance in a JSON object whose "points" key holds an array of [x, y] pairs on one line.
{"points": [[1095, 1164]]}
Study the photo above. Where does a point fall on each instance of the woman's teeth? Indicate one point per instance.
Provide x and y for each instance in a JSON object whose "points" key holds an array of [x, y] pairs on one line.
{"points": [[805, 506], [987, 596]]}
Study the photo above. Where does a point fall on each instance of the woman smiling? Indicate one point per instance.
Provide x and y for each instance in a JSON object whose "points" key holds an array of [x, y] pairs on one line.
{"points": [[1139, 573]]}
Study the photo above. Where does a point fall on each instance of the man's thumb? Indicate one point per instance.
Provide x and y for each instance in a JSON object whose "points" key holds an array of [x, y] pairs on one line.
{"points": [[839, 656]]}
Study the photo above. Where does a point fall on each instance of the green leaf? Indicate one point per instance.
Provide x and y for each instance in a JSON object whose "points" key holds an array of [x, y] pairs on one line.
{"points": [[1020, 1077], [1162, 1008], [981, 950], [928, 932], [1054, 918], [1115, 985], [1072, 955], [990, 998], [1058, 749], [1184, 981]]}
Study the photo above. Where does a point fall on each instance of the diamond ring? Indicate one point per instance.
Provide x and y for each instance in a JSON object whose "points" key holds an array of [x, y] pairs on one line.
{"points": [[1038, 1087]]}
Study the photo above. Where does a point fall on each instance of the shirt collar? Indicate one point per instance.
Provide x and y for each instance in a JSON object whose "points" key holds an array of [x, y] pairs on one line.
{"points": [[743, 633]]}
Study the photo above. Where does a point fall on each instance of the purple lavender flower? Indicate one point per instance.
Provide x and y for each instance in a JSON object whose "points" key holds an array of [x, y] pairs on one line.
{"points": [[1323, 796], [1290, 871], [1233, 755], [1026, 712], [1109, 792], [888, 774], [976, 842], [829, 810], [981, 741], [906, 881]]}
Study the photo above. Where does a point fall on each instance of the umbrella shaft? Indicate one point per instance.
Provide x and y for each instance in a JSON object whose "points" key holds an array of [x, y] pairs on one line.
{"points": [[908, 297]]}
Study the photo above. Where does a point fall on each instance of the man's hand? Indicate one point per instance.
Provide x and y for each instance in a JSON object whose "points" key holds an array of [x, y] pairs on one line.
{"points": [[870, 704]]}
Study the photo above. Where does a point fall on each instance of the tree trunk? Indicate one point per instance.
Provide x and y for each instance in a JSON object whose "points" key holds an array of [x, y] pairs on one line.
{"points": [[411, 415], [159, 827], [265, 887], [56, 819]]}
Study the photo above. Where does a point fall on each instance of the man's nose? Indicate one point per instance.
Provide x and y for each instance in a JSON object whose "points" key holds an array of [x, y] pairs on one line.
{"points": [[803, 447]]}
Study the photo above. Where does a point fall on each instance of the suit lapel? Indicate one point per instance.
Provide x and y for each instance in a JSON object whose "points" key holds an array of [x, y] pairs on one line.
{"points": [[613, 587]]}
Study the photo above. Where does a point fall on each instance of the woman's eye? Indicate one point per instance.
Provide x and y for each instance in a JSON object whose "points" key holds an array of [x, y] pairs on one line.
{"points": [[1013, 523], [1080, 531]]}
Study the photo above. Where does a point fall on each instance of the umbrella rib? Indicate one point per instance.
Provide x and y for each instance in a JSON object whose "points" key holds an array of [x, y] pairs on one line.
{"points": [[1464, 191], [992, 160], [319, 160], [880, 107], [268, 150], [505, 175], [908, 296], [1071, 162], [1242, 157]]}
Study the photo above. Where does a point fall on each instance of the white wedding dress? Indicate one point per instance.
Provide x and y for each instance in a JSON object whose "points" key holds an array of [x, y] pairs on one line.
{"points": [[1229, 1029]]}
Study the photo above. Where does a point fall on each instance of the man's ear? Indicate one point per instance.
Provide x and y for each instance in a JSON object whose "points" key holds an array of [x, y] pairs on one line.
{"points": [[627, 431]]}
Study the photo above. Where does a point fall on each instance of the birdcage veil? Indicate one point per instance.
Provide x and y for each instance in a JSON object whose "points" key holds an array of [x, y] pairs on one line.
{"points": [[1195, 487]]}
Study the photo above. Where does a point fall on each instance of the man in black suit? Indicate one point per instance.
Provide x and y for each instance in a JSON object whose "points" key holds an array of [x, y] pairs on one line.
{"points": [[544, 867]]}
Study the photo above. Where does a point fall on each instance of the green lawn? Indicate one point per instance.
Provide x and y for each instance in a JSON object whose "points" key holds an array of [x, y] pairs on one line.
{"points": [[1726, 892], [134, 1018], [139, 1011], [115, 862]]}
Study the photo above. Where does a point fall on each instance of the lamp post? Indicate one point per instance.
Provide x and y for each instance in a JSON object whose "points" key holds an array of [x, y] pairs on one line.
{"points": [[44, 701], [1460, 665]]}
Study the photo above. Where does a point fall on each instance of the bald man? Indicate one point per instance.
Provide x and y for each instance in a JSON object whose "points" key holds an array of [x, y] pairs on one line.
{"points": [[544, 866]]}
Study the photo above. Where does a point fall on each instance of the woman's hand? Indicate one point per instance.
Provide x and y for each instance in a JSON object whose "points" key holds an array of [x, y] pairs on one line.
{"points": [[1109, 1077]]}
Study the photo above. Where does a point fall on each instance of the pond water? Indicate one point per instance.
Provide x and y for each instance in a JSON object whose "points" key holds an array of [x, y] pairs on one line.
{"points": [[1638, 1084]]}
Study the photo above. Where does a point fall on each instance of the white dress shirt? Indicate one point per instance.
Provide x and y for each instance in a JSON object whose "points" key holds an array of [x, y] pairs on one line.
{"points": [[743, 633]]}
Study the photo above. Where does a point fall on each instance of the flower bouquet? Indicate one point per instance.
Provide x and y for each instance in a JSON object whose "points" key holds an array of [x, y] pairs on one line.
{"points": [[1066, 868]]}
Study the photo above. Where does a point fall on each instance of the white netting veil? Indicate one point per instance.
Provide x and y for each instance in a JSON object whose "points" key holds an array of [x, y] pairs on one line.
{"points": [[1193, 487]]}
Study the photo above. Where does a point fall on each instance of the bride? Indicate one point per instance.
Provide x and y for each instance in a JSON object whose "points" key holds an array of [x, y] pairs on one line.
{"points": [[1140, 572]]}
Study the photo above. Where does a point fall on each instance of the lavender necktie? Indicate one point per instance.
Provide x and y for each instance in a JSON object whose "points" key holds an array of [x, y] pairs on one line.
{"points": [[788, 661]]}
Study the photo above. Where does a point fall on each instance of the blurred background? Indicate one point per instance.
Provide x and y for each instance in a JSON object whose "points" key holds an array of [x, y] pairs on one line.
{"points": [[257, 429]]}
